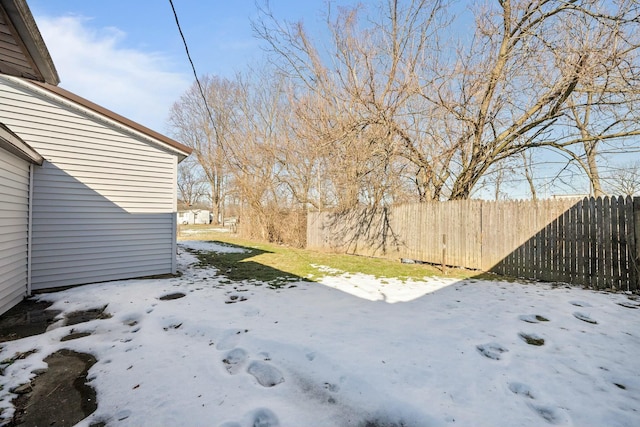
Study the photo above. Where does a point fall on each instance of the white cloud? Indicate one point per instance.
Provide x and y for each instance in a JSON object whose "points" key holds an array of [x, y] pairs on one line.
{"points": [[96, 64]]}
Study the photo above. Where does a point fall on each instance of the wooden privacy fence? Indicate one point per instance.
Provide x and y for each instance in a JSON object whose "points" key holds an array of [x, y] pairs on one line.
{"points": [[589, 242]]}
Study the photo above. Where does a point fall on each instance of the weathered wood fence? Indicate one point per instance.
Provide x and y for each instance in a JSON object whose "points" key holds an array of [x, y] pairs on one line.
{"points": [[593, 242]]}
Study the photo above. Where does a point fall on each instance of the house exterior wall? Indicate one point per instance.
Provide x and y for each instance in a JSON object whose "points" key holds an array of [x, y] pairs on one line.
{"points": [[104, 199], [14, 221]]}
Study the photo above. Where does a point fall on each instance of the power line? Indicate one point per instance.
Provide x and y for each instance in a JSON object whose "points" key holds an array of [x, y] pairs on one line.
{"points": [[195, 74]]}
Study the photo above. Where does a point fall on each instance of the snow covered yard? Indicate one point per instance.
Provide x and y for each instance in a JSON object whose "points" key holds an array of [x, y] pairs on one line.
{"points": [[351, 350]]}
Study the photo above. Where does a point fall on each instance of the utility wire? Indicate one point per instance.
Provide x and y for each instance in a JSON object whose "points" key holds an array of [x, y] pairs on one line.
{"points": [[195, 74]]}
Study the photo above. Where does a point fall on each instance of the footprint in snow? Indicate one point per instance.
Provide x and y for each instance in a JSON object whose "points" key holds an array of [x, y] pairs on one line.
{"points": [[628, 305], [234, 299], [580, 303], [172, 326], [235, 359], [492, 350], [521, 390], [533, 318], [264, 418], [584, 317], [169, 297], [550, 414], [531, 339], [267, 375], [230, 338], [334, 388]]}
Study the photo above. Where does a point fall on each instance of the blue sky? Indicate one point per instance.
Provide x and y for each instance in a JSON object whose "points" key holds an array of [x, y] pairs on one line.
{"points": [[128, 55]]}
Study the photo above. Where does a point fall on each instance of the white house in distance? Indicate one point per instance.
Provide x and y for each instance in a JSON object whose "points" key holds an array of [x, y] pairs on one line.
{"points": [[196, 216], [86, 195]]}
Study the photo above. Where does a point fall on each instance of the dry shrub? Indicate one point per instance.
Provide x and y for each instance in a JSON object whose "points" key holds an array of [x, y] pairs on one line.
{"points": [[274, 225]]}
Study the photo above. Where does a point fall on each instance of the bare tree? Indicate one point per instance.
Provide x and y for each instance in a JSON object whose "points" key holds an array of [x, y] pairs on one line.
{"points": [[451, 111], [192, 186], [397, 105], [603, 108], [361, 100], [624, 180], [519, 77], [207, 128]]}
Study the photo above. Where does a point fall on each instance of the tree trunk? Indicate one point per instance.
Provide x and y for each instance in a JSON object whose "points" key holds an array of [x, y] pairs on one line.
{"points": [[594, 174]]}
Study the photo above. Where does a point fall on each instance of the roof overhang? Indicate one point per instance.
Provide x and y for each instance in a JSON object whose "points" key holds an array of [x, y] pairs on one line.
{"points": [[12, 143], [182, 150], [79, 103], [26, 38]]}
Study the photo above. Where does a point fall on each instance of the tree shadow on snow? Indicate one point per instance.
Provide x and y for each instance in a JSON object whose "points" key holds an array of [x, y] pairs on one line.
{"points": [[239, 266]]}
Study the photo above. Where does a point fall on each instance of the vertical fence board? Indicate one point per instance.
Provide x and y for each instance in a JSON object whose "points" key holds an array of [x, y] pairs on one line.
{"points": [[606, 242], [584, 242], [544, 243], [615, 245], [599, 258], [634, 283], [593, 244], [551, 246], [562, 268], [541, 226], [631, 243], [579, 250], [622, 236], [527, 264], [570, 255], [576, 215]]}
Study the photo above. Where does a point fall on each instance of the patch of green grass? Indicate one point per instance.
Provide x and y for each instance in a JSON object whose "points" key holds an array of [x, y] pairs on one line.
{"points": [[280, 264], [248, 266]]}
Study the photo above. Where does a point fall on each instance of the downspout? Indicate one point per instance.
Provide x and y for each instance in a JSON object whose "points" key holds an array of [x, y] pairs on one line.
{"points": [[30, 228], [174, 220]]}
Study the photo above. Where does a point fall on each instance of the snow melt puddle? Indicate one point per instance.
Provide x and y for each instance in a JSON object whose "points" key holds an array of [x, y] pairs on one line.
{"points": [[389, 290]]}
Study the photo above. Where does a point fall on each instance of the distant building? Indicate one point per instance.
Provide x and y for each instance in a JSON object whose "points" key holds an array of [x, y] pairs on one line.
{"points": [[194, 217]]}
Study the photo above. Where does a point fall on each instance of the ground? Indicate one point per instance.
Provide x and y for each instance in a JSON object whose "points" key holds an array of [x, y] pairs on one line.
{"points": [[344, 350]]}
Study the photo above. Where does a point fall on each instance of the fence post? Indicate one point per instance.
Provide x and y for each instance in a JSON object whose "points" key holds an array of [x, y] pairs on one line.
{"points": [[636, 253]]}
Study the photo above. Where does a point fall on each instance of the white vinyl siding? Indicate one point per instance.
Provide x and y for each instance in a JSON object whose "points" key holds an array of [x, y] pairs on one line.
{"points": [[103, 201], [14, 222]]}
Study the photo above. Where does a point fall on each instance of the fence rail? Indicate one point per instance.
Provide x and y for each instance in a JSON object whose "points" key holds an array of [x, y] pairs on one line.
{"points": [[591, 242]]}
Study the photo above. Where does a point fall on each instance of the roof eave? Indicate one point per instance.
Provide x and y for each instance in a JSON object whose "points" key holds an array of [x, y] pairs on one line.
{"points": [[22, 20], [181, 150], [16, 146]]}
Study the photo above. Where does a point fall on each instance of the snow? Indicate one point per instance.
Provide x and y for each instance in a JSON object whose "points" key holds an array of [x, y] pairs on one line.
{"points": [[207, 230], [351, 350], [374, 289]]}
